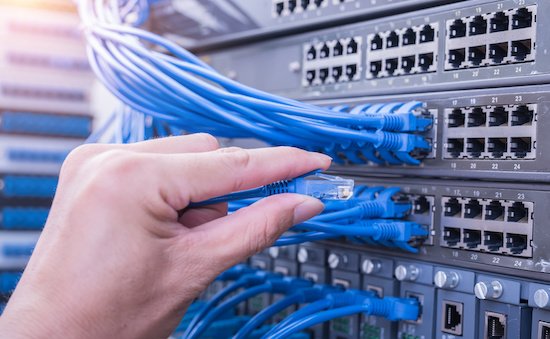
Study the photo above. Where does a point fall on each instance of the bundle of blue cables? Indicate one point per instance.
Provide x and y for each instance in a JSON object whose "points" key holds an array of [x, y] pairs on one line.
{"points": [[174, 90], [373, 216], [320, 303]]}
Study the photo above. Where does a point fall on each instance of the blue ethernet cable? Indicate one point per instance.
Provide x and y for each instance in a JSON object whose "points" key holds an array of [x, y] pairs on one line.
{"points": [[390, 308], [305, 295], [277, 285], [199, 99], [314, 184], [246, 280]]}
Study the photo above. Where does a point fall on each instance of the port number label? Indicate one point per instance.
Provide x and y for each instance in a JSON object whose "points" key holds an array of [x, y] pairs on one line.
{"points": [[453, 164], [473, 165], [496, 260], [518, 98], [498, 195], [521, 196], [473, 256], [494, 166], [517, 167], [455, 254], [518, 263], [494, 100], [456, 192], [477, 193]]}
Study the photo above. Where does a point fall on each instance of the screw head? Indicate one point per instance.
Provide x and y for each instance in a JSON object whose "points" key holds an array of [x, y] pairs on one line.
{"points": [[274, 252], [444, 279], [333, 260], [371, 266], [492, 290], [303, 255], [403, 272], [541, 298]]}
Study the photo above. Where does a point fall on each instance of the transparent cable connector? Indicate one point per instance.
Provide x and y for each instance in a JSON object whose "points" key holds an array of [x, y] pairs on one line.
{"points": [[324, 186]]}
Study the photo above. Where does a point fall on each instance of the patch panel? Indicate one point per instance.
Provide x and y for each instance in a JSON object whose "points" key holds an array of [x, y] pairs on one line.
{"points": [[34, 155], [489, 39], [23, 218], [334, 61], [475, 45], [27, 186], [49, 62], [245, 21], [490, 225], [402, 51], [504, 320], [36, 123]]}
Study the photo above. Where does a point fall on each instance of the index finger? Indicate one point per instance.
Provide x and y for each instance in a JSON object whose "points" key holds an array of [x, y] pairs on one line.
{"points": [[202, 176]]}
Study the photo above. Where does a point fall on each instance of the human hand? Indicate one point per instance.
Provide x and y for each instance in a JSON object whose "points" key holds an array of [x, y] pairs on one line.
{"points": [[117, 258]]}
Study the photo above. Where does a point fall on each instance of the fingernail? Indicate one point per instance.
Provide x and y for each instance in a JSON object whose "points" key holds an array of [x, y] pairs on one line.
{"points": [[323, 157], [309, 208]]}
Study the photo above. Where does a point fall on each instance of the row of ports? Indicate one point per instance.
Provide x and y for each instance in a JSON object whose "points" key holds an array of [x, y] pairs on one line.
{"points": [[491, 54], [333, 48], [491, 116], [42, 93], [490, 241], [328, 75], [491, 23], [405, 65], [289, 7], [501, 148], [495, 210], [402, 37]]}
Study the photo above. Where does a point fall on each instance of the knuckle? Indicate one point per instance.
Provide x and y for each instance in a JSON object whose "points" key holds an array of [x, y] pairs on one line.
{"points": [[208, 140], [78, 157], [240, 158]]}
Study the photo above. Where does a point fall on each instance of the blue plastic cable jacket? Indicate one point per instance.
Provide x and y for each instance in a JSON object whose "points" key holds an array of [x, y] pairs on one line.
{"points": [[318, 318], [312, 308], [303, 238], [265, 314], [218, 297], [223, 307]]}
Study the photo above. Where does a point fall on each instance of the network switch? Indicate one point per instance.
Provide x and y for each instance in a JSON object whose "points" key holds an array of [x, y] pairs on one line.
{"points": [[16, 248], [246, 20], [459, 46], [45, 124], [491, 134]]}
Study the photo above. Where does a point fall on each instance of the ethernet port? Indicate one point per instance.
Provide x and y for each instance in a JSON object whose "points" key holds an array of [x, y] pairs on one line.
{"points": [[376, 43], [279, 7], [495, 325], [427, 34], [311, 53], [456, 118], [497, 147], [518, 212], [472, 209], [520, 147], [351, 71], [499, 22], [476, 117], [292, 5], [472, 238], [452, 207], [323, 74], [420, 298], [392, 40], [310, 76], [305, 4], [522, 115], [457, 29], [544, 330], [324, 52], [375, 68], [497, 52], [338, 49], [451, 236], [475, 146], [521, 49], [352, 47], [516, 243], [476, 54], [455, 147], [421, 205], [478, 25], [493, 240], [337, 73], [407, 63], [425, 61], [498, 117], [457, 57], [452, 317], [523, 18], [318, 3], [391, 65], [494, 211], [409, 37]]}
